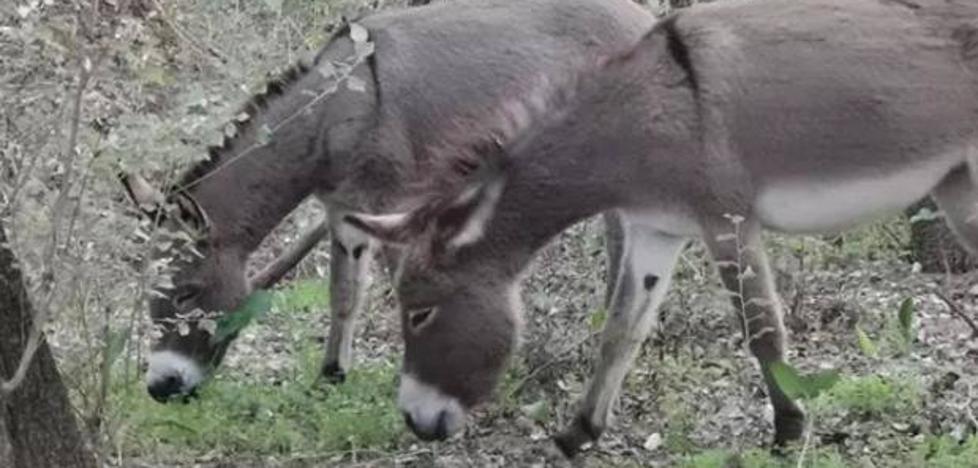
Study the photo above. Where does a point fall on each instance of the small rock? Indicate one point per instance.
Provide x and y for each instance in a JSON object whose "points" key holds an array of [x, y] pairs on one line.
{"points": [[653, 442]]}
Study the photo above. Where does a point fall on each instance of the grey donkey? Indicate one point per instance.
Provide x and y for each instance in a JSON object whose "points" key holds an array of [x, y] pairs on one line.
{"points": [[798, 116], [436, 80]]}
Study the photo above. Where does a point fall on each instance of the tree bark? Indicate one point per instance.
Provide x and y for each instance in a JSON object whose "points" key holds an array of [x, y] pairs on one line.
{"points": [[38, 428], [934, 246]]}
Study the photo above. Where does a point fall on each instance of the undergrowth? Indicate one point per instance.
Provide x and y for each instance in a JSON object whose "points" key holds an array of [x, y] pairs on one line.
{"points": [[232, 417]]}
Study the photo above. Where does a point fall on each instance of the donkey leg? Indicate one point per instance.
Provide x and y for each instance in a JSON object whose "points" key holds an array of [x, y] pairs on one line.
{"points": [[615, 244], [643, 279], [349, 277], [957, 197], [739, 255]]}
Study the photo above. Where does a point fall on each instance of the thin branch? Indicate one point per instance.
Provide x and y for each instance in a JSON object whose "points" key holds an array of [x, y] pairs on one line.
{"points": [[955, 310], [967, 407], [206, 50], [41, 314], [285, 262], [559, 357], [33, 343]]}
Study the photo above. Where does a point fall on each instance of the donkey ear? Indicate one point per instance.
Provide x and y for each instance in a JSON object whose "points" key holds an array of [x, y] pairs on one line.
{"points": [[396, 228], [144, 195], [464, 221], [190, 212]]}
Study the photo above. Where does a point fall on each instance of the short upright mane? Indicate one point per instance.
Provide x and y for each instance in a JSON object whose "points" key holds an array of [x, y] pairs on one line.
{"points": [[467, 152], [258, 102]]}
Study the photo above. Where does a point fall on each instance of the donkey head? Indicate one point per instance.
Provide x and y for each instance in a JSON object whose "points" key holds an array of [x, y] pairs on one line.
{"points": [[206, 278], [459, 314]]}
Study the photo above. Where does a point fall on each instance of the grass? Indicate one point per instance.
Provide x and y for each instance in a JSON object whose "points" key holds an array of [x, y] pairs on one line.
{"points": [[873, 396], [236, 418], [758, 458], [931, 452], [943, 452], [303, 416]]}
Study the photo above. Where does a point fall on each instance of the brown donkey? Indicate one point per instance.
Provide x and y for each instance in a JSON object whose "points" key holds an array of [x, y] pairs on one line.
{"points": [[792, 115], [436, 80]]}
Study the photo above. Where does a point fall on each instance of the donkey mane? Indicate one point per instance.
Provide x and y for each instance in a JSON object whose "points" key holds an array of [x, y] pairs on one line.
{"points": [[274, 88], [454, 167], [458, 160]]}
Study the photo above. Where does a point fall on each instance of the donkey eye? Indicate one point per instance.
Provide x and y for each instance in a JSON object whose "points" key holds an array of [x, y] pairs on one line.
{"points": [[358, 251], [341, 248], [185, 294], [418, 318]]}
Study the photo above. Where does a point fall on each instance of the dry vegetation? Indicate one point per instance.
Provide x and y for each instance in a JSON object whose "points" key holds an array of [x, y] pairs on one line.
{"points": [[88, 88]]}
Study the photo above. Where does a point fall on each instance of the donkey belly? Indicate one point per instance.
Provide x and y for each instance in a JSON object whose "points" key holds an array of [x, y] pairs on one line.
{"points": [[812, 204]]}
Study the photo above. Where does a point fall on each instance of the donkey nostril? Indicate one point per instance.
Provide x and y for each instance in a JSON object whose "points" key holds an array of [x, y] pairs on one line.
{"points": [[409, 421], [163, 390], [441, 431]]}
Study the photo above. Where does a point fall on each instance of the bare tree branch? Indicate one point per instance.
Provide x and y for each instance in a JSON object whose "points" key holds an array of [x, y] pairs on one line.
{"points": [[285, 262], [34, 339], [956, 310]]}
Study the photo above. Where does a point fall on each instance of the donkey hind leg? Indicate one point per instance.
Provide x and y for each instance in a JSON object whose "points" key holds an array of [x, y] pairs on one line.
{"points": [[614, 240], [739, 255], [957, 197], [642, 282], [349, 278]]}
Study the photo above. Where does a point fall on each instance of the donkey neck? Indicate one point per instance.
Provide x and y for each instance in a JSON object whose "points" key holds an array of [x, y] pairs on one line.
{"points": [[565, 169], [281, 156]]}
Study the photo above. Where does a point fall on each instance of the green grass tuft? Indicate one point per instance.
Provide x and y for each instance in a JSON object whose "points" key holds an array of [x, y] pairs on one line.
{"points": [[943, 452], [236, 418], [874, 395]]}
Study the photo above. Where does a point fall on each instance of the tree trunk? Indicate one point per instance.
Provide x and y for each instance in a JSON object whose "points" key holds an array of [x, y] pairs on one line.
{"points": [[934, 246], [38, 428]]}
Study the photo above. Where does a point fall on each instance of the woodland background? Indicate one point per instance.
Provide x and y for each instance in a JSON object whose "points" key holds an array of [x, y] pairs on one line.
{"points": [[92, 87]]}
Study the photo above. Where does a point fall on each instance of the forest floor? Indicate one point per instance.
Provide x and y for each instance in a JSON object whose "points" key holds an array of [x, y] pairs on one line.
{"points": [[155, 82], [693, 398]]}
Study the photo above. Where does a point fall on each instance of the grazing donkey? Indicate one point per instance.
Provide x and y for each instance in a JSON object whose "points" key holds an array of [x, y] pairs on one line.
{"points": [[793, 115], [436, 80]]}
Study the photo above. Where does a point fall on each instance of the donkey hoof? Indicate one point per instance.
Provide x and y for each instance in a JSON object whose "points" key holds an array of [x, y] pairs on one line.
{"points": [[333, 374], [580, 432], [788, 429]]}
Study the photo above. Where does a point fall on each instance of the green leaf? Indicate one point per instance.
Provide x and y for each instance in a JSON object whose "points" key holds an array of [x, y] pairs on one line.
{"points": [[538, 411], [906, 319], [264, 135], [354, 83], [804, 387], [867, 345], [232, 323], [358, 33], [598, 318], [925, 214]]}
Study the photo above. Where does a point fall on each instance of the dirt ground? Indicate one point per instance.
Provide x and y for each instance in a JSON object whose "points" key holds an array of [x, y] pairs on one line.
{"points": [[693, 387]]}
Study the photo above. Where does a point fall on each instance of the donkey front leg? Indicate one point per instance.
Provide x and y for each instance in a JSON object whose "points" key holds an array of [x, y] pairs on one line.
{"points": [[957, 196], [736, 247], [644, 276], [349, 278]]}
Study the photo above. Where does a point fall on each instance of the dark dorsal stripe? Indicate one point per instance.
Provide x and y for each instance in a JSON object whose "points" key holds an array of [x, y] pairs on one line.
{"points": [[679, 51]]}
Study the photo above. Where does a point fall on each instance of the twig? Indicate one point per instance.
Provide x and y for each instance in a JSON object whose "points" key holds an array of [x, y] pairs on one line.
{"points": [[41, 314], [955, 310], [808, 442], [559, 357], [967, 406], [285, 262], [204, 49]]}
